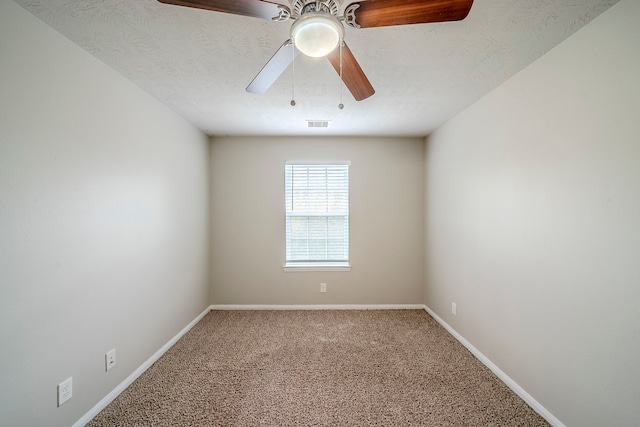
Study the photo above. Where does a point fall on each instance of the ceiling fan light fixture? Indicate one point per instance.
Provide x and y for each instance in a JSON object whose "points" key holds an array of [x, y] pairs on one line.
{"points": [[317, 35]]}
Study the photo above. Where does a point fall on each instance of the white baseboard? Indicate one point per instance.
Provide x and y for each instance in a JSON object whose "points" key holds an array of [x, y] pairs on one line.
{"points": [[222, 307], [131, 378], [535, 405]]}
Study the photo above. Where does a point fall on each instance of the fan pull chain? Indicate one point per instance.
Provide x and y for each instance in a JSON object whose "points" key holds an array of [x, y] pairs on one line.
{"points": [[341, 105], [293, 73]]}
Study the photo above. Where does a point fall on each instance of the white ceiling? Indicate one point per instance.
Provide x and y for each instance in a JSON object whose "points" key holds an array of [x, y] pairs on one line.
{"points": [[199, 62]]}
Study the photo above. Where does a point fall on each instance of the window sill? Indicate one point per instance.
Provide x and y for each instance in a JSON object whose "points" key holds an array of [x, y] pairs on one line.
{"points": [[309, 267]]}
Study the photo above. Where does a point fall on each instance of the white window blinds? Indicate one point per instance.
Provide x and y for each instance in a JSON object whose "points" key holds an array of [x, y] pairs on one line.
{"points": [[317, 214]]}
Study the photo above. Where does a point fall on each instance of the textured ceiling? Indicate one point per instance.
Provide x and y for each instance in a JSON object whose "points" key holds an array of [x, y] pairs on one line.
{"points": [[199, 62]]}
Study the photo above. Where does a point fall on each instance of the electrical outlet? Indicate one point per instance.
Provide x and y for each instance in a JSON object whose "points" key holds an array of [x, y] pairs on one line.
{"points": [[454, 308], [323, 287], [65, 390], [110, 359]]}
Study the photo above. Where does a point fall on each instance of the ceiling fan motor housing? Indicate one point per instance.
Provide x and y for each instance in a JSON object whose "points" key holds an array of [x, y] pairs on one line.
{"points": [[301, 7]]}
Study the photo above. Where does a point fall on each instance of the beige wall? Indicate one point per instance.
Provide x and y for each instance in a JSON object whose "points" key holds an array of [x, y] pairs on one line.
{"points": [[386, 222], [533, 224], [103, 224]]}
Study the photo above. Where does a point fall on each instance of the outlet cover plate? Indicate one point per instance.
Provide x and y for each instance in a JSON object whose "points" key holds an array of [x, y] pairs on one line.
{"points": [[65, 390], [110, 359]]}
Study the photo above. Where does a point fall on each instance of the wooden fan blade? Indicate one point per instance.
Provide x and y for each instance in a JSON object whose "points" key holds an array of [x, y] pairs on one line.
{"points": [[273, 68], [255, 8], [382, 13], [352, 75]]}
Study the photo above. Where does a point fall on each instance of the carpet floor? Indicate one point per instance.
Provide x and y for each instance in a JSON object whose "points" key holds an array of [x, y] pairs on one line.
{"points": [[318, 368]]}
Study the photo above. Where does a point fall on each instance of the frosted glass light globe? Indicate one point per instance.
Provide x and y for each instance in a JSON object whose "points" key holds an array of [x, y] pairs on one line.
{"points": [[317, 35]]}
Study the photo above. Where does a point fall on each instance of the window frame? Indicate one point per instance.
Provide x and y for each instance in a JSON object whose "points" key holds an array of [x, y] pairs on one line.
{"points": [[297, 266]]}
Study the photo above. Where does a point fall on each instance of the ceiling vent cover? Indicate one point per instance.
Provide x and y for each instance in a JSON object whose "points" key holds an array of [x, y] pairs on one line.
{"points": [[318, 123]]}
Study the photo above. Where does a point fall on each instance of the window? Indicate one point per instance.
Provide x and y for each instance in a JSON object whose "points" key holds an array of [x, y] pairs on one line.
{"points": [[317, 215]]}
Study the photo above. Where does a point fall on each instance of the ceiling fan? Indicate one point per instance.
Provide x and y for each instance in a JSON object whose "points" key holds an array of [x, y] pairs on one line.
{"points": [[318, 29]]}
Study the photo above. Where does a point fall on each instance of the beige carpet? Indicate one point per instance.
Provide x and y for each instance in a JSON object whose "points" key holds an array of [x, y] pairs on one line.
{"points": [[318, 368]]}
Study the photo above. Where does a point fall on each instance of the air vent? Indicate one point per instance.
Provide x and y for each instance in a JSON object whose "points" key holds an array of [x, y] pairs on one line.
{"points": [[318, 123]]}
